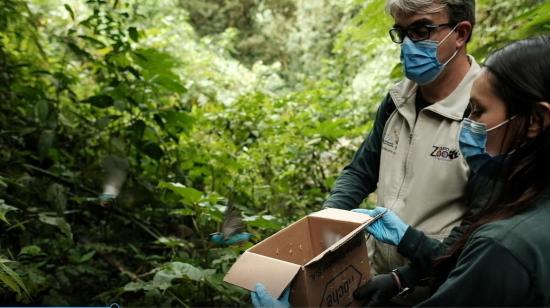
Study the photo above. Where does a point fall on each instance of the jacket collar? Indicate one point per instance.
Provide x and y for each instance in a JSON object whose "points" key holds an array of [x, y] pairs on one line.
{"points": [[452, 106]]}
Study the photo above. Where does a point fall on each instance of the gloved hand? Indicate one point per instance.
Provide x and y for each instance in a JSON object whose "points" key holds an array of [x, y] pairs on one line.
{"points": [[262, 298], [378, 291], [388, 229]]}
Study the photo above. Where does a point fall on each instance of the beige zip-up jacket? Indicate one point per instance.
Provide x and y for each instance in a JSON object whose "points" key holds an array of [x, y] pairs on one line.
{"points": [[413, 162], [422, 173]]}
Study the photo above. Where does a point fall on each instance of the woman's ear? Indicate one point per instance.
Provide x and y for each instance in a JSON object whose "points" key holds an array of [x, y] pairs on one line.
{"points": [[534, 124]]}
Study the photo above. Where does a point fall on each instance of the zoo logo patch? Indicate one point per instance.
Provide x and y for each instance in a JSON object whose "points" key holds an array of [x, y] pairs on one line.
{"points": [[444, 153]]}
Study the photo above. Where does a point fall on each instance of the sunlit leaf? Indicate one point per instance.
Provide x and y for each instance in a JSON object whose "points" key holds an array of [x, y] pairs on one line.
{"points": [[4, 209], [12, 279], [31, 250], [170, 83], [189, 194], [183, 212], [58, 222], [88, 256], [262, 221], [166, 274]]}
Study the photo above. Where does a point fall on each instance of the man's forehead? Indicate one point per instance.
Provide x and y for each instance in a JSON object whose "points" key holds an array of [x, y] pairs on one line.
{"points": [[405, 20]]}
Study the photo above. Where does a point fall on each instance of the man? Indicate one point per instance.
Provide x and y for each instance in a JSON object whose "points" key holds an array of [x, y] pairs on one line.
{"points": [[411, 156]]}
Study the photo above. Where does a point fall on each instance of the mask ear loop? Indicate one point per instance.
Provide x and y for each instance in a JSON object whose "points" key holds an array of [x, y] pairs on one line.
{"points": [[445, 38], [499, 125]]}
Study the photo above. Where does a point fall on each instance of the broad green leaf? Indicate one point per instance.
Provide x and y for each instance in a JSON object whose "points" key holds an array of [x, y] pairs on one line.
{"points": [[56, 195], [4, 209], [79, 51], [45, 142], [87, 256], [183, 212], [12, 279], [100, 101], [189, 194], [172, 242], [137, 128], [154, 61], [31, 250], [134, 34], [170, 83], [58, 222], [70, 10], [97, 43], [135, 286], [262, 221], [177, 120], [9, 282], [42, 111], [165, 275], [152, 150], [178, 270]]}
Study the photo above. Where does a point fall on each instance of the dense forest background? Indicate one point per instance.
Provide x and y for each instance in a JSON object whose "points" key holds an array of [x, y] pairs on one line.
{"points": [[257, 103]]}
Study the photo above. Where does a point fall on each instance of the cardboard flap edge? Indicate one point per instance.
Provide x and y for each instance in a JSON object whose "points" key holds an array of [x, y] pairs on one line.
{"points": [[342, 215], [251, 268]]}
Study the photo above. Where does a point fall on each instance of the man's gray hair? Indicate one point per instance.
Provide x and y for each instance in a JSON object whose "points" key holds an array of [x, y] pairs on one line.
{"points": [[458, 10]]}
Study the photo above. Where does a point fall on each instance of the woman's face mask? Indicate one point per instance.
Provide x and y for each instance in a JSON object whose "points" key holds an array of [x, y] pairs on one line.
{"points": [[473, 138]]}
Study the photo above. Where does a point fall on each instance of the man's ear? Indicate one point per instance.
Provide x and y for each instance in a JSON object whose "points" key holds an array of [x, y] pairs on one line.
{"points": [[464, 30], [534, 124]]}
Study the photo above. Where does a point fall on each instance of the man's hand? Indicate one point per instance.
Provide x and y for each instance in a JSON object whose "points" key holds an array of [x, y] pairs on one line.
{"points": [[378, 291], [388, 229], [262, 298]]}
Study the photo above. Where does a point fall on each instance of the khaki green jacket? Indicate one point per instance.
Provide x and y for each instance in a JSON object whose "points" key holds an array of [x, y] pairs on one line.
{"points": [[414, 163]]}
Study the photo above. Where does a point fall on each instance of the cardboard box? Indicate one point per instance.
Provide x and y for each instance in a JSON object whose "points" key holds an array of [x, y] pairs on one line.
{"points": [[323, 257]]}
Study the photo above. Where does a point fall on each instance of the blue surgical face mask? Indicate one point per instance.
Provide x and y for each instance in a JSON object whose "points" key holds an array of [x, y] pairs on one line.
{"points": [[473, 141], [420, 59]]}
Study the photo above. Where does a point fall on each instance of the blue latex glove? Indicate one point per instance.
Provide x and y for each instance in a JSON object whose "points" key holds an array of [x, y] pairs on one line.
{"points": [[262, 298], [388, 229]]}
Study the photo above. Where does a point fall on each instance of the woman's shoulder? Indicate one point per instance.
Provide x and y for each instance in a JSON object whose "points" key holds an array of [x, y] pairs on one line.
{"points": [[526, 224], [524, 235]]}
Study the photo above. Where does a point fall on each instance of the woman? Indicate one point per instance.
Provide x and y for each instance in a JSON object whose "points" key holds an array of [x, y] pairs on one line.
{"points": [[503, 258]]}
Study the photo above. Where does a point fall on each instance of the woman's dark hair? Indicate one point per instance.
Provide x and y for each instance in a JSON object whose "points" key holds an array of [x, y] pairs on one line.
{"points": [[519, 75]]}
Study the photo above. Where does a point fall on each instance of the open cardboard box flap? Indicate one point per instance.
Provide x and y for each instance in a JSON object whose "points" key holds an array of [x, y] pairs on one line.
{"points": [[251, 268]]}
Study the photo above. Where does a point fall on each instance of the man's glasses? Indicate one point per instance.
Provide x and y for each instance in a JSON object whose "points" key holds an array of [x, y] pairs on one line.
{"points": [[415, 33]]}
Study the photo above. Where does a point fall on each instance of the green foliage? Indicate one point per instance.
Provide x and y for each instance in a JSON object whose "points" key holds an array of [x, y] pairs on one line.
{"points": [[255, 103], [12, 280]]}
